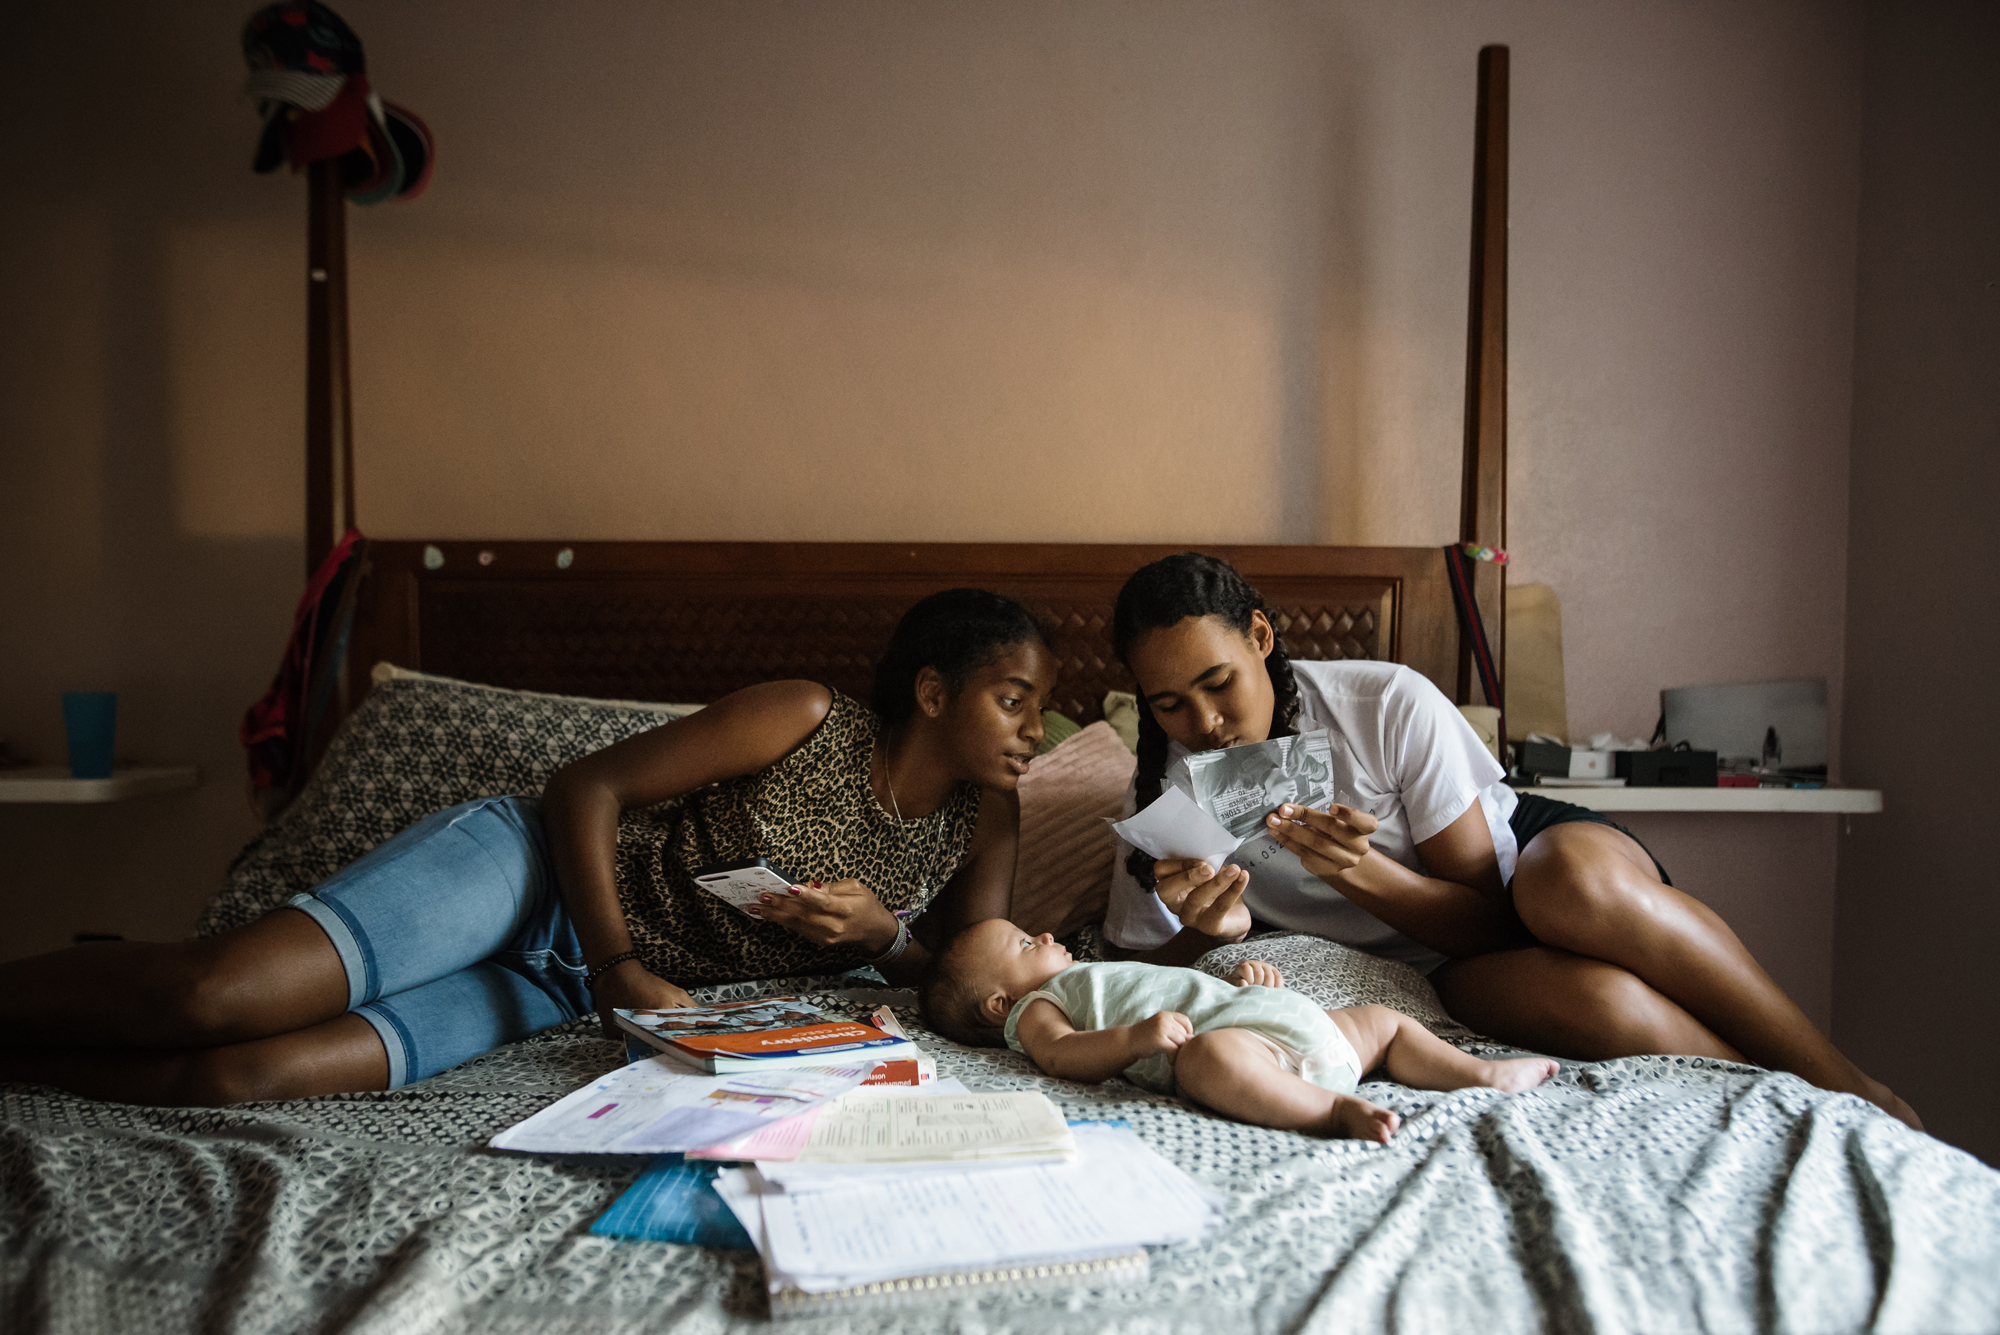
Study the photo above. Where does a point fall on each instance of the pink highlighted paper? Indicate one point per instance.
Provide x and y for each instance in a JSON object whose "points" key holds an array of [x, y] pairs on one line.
{"points": [[780, 1142]]}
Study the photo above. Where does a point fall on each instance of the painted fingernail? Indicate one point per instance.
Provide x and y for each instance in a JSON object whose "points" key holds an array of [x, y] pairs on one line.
{"points": [[764, 899], [753, 913], [816, 885], [797, 891]]}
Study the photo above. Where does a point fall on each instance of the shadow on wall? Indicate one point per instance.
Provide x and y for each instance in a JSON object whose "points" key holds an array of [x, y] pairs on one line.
{"points": [[105, 589]]}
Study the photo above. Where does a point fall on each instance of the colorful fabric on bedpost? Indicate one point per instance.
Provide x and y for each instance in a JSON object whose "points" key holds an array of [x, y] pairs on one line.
{"points": [[1455, 564], [277, 729]]}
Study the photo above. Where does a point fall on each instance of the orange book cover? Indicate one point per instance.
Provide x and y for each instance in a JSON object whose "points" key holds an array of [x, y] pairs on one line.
{"points": [[765, 1029], [804, 1038]]}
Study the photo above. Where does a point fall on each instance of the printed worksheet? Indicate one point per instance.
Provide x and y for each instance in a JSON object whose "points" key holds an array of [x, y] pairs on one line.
{"points": [[650, 1107], [890, 1126]]}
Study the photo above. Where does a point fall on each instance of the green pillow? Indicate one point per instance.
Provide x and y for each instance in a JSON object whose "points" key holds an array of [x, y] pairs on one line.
{"points": [[1056, 729], [1121, 711]]}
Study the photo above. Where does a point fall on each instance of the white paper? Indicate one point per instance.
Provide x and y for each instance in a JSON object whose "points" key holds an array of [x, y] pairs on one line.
{"points": [[649, 1107], [884, 1124], [1116, 1196], [1174, 826]]}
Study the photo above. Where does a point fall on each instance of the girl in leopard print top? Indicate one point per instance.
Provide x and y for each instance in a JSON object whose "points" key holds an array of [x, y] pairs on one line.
{"points": [[500, 917]]}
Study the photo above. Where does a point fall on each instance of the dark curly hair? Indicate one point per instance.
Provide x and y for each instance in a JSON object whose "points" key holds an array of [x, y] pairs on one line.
{"points": [[957, 632], [948, 997], [1164, 594]]}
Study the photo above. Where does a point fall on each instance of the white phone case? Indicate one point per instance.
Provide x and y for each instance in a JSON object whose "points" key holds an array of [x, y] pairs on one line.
{"points": [[744, 888]]}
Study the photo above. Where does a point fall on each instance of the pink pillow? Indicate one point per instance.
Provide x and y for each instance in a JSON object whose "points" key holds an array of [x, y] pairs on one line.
{"points": [[1063, 877]]}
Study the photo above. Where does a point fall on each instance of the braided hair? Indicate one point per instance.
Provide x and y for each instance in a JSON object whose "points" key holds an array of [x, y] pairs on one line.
{"points": [[956, 632], [1164, 594]]}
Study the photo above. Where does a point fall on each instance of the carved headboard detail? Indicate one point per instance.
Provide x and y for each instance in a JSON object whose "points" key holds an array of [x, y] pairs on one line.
{"points": [[690, 622]]}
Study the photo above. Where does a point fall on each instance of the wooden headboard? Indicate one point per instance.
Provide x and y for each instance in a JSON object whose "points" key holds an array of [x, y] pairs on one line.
{"points": [[692, 621]]}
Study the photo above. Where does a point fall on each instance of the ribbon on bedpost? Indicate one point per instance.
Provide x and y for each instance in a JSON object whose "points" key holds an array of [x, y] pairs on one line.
{"points": [[1457, 563]]}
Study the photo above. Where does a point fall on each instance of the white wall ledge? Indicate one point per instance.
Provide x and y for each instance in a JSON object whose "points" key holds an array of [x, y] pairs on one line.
{"points": [[1827, 801], [52, 783]]}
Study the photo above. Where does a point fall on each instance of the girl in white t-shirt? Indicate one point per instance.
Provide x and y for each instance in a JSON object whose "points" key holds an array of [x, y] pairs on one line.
{"points": [[1540, 923]]}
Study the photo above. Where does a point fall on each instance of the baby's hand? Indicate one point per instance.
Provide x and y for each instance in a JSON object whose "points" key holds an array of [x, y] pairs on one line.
{"points": [[1164, 1032], [1256, 973]]}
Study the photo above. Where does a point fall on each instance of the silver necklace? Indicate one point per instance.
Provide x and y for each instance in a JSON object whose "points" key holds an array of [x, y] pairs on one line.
{"points": [[903, 830]]}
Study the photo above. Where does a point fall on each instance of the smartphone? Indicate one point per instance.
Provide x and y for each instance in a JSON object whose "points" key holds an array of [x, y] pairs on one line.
{"points": [[744, 883]]}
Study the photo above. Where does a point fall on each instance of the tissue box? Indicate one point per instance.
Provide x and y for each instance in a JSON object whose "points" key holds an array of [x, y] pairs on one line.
{"points": [[1667, 769]]}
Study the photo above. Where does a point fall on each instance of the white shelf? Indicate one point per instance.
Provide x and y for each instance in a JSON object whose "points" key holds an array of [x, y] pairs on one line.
{"points": [[52, 783], [1831, 801]]}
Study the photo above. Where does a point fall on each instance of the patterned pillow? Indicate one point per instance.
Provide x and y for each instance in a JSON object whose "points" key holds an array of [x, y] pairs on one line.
{"points": [[1062, 879], [417, 744], [1338, 976]]}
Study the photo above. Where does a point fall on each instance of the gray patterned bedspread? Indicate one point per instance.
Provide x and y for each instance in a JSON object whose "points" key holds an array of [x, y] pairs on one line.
{"points": [[1651, 1194]]}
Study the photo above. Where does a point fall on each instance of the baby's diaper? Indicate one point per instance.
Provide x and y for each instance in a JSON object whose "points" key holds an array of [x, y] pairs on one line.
{"points": [[1332, 1065]]}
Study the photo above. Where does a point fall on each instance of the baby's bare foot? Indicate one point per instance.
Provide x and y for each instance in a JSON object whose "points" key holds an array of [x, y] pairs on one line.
{"points": [[1357, 1119], [1519, 1074]]}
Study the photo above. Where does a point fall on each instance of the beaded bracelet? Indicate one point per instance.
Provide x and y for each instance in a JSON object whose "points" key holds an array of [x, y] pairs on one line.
{"points": [[590, 979]]}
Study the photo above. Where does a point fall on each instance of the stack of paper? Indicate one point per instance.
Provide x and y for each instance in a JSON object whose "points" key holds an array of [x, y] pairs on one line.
{"points": [[872, 1132], [887, 1125], [649, 1107], [782, 1142], [1115, 1197]]}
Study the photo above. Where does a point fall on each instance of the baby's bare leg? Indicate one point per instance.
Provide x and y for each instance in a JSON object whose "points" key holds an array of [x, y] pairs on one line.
{"points": [[1233, 1072], [1420, 1059]]}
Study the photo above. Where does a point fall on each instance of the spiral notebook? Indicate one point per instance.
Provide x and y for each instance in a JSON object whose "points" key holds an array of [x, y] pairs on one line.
{"points": [[903, 1237], [1127, 1268]]}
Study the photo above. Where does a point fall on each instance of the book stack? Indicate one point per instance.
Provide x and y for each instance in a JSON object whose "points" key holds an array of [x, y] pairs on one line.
{"points": [[861, 1194], [762, 1034]]}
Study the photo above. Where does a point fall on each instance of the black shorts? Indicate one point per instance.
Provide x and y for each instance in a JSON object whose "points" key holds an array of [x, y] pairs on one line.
{"points": [[1536, 813]]}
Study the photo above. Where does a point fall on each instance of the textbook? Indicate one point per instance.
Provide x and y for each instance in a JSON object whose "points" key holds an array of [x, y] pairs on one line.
{"points": [[763, 1033]]}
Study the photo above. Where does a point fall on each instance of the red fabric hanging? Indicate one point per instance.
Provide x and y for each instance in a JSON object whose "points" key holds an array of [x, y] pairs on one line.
{"points": [[274, 729]]}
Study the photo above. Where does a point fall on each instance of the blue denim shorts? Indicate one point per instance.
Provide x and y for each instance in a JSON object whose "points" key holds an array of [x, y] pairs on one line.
{"points": [[454, 936]]}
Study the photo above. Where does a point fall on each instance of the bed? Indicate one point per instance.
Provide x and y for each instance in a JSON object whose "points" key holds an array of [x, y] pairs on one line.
{"points": [[1648, 1194]]}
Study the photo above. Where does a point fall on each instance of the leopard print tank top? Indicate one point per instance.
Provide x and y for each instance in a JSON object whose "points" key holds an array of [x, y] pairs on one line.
{"points": [[813, 814]]}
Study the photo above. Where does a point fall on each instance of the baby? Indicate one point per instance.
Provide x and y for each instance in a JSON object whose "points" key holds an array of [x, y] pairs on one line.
{"points": [[1246, 1048]]}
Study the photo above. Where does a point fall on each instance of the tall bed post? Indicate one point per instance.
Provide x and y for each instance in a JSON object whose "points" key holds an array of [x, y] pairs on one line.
{"points": [[1482, 516], [329, 428]]}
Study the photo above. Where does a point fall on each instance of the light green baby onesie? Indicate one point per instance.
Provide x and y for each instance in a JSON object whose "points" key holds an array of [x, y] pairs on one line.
{"points": [[1104, 996]]}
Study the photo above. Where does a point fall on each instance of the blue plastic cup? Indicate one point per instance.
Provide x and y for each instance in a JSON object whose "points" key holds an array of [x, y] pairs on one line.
{"points": [[91, 717]]}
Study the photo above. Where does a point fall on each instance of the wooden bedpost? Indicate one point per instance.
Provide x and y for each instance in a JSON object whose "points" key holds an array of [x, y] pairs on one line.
{"points": [[329, 429], [1483, 500]]}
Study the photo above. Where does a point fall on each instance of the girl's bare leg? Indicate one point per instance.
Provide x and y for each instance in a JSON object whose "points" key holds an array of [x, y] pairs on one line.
{"points": [[1591, 891], [1416, 1057], [256, 1013], [1232, 1072], [273, 976], [337, 1056]]}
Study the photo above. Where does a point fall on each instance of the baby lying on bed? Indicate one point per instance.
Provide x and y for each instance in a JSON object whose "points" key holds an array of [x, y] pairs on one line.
{"points": [[1246, 1048]]}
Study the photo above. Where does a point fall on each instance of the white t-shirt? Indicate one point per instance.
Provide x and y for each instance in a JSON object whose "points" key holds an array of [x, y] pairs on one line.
{"points": [[1417, 764]]}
